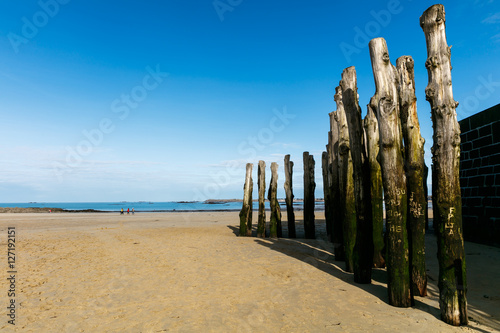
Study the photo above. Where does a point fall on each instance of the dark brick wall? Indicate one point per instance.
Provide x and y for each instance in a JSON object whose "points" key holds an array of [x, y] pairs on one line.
{"points": [[480, 176]]}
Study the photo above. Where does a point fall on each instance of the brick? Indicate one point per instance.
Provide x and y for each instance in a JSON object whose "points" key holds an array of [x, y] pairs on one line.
{"points": [[482, 142], [472, 135], [485, 191], [490, 150], [464, 182], [494, 159], [492, 211], [490, 180], [466, 164], [495, 127], [485, 130], [495, 202], [464, 125], [476, 181], [474, 191], [476, 163], [466, 146], [487, 170], [474, 153], [474, 202], [471, 173], [496, 169], [497, 179]]}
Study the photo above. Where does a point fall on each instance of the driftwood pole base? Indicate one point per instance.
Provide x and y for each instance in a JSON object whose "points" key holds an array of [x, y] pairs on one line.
{"points": [[289, 197], [385, 101], [446, 196], [275, 225], [309, 187], [261, 224], [246, 210]]}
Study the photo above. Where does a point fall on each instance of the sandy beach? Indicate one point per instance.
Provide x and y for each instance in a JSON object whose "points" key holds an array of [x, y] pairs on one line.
{"points": [[189, 272]]}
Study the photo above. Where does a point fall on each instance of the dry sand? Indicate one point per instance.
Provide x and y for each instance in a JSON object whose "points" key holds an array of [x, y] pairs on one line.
{"points": [[189, 272]]}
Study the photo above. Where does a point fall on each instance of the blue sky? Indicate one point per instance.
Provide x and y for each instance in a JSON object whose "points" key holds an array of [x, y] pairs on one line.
{"points": [[148, 100]]}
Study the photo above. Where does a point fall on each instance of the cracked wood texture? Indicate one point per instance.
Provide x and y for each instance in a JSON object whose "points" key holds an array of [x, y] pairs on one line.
{"points": [[261, 224], [446, 197], [337, 233], [363, 248], [246, 209], [385, 102], [415, 174], [309, 187], [346, 184], [370, 124], [289, 197], [275, 225]]}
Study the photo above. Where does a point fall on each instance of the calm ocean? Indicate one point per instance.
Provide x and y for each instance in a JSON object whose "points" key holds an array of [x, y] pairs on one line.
{"points": [[144, 206]]}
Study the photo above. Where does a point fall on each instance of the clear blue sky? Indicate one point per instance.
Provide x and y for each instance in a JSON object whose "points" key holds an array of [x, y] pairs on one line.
{"points": [[247, 80]]}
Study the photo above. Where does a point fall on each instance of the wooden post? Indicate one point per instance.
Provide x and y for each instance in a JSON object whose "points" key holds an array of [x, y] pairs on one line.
{"points": [[326, 192], [446, 200], [363, 249], [246, 210], [261, 224], [289, 197], [415, 169], [346, 185], [372, 143], [309, 187], [385, 101], [337, 232], [275, 227]]}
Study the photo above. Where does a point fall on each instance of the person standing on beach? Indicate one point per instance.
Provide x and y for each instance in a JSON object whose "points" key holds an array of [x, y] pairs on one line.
{"points": [[121, 212], [128, 210], [133, 210]]}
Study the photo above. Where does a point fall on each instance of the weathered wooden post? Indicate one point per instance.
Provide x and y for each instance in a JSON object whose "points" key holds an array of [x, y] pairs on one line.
{"points": [[261, 224], [275, 225], [415, 169], [289, 197], [385, 101], [370, 124], [363, 249], [446, 200], [246, 210], [337, 232], [309, 187], [326, 192], [346, 184]]}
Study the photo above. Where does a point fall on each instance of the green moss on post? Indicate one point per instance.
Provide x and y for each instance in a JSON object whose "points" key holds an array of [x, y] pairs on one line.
{"points": [[372, 141]]}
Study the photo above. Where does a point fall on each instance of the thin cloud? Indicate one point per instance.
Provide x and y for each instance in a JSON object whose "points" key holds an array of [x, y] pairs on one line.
{"points": [[492, 19], [496, 38]]}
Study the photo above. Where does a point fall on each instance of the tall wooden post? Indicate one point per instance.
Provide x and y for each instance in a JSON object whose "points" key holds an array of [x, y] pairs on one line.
{"points": [[326, 192], [309, 187], [337, 232], [246, 210], [275, 225], [289, 197], [346, 185], [363, 249], [370, 124], [385, 101], [415, 169], [446, 200], [261, 224]]}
